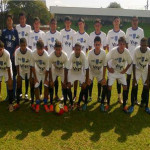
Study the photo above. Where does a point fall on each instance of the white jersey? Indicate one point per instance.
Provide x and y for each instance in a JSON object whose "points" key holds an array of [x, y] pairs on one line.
{"points": [[50, 39], [83, 39], [133, 38], [58, 63], [96, 62], [23, 60], [24, 32], [141, 60], [34, 37], [67, 40], [119, 60], [113, 37], [5, 62], [41, 63], [102, 35], [77, 64]]}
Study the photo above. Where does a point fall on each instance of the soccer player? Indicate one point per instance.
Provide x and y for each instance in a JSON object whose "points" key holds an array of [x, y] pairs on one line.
{"points": [[97, 67], [134, 35], [23, 56], [141, 69], [120, 62], [40, 70], [36, 35], [50, 39], [58, 62], [11, 43], [24, 32], [6, 72], [77, 65], [97, 32], [67, 35], [83, 38], [102, 35], [112, 41]]}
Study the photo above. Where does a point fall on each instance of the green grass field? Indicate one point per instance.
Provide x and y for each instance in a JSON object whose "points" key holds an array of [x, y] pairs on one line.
{"points": [[90, 130]]}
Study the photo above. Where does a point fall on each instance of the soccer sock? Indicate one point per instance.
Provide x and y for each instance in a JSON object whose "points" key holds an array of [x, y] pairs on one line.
{"points": [[75, 92], [38, 102], [104, 94], [136, 93], [128, 85], [70, 96], [14, 86], [32, 94], [118, 87], [65, 95], [45, 101], [145, 96], [26, 84], [133, 92], [99, 89], [18, 95], [90, 89], [125, 97], [51, 91], [86, 94], [80, 96], [56, 87], [40, 88], [108, 96], [142, 100], [10, 93]]}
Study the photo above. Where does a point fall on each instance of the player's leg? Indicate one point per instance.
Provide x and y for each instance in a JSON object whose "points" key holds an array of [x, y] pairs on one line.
{"points": [[46, 98], [70, 95], [119, 92], [40, 90], [128, 82], [56, 89], [64, 90], [51, 92], [32, 93], [125, 98], [99, 92], [75, 90], [26, 87], [14, 78], [90, 89]]}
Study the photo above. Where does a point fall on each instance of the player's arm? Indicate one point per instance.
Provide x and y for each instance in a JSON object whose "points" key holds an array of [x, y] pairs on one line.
{"points": [[108, 58], [46, 76], [134, 75], [65, 76]]}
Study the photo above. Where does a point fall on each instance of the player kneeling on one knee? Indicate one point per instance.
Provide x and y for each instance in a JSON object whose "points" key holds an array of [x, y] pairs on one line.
{"points": [[22, 62], [78, 71], [58, 68], [40, 70], [97, 68], [119, 56], [6, 72], [141, 69]]}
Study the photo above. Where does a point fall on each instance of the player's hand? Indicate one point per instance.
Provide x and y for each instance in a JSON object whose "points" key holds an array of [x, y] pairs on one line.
{"points": [[19, 78], [84, 85], [123, 71], [51, 83], [46, 83], [10, 80], [103, 82], [111, 70], [134, 82], [36, 81], [147, 82]]}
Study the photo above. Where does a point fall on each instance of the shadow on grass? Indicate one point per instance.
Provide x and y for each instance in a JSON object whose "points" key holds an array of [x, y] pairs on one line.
{"points": [[92, 120]]}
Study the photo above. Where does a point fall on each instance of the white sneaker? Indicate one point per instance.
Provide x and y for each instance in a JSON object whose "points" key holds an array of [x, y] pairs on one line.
{"points": [[11, 108]]}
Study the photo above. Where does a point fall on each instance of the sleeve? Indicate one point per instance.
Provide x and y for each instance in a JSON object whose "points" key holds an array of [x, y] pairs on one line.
{"points": [[30, 40], [127, 36], [129, 58], [87, 43], [109, 56], [60, 37], [16, 58], [142, 34], [90, 40], [104, 60], [47, 64], [45, 40], [85, 62], [74, 39], [149, 57], [69, 62], [8, 61], [105, 40], [50, 61], [32, 61], [17, 38], [66, 62]]}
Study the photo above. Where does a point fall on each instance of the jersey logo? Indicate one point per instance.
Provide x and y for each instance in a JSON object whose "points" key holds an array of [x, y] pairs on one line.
{"points": [[134, 36], [116, 38], [1, 63], [23, 60], [23, 33], [36, 38], [52, 39], [68, 37]]}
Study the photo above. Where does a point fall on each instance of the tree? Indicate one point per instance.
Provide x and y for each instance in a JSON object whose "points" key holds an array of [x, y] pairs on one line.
{"points": [[114, 5], [31, 8]]}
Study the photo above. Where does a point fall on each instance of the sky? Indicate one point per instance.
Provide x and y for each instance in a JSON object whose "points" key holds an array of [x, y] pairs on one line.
{"points": [[127, 4]]}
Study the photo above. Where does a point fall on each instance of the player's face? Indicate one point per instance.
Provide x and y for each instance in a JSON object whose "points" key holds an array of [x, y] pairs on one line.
{"points": [[1, 51], [23, 47], [9, 22], [97, 26], [36, 25], [67, 24], [143, 46], [116, 22], [53, 26], [58, 51], [77, 51], [134, 22], [81, 25], [97, 45], [40, 51], [122, 45], [22, 20]]}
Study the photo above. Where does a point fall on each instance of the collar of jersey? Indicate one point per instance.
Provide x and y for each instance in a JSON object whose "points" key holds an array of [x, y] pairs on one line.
{"points": [[134, 29], [116, 31], [22, 26], [36, 32], [98, 34], [52, 33], [81, 33], [67, 30]]}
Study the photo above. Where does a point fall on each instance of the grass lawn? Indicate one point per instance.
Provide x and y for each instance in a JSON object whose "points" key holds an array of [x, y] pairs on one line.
{"points": [[90, 130]]}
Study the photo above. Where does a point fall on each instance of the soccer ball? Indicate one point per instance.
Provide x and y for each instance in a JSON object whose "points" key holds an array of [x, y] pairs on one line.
{"points": [[59, 109]]}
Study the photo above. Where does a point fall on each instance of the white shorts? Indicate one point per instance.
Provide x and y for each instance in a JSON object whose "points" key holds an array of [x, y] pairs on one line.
{"points": [[130, 70], [72, 77], [98, 77], [56, 74], [24, 74], [5, 75], [113, 76], [141, 74]]}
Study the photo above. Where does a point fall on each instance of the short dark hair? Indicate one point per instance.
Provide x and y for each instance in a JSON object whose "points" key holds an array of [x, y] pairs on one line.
{"points": [[22, 14], [122, 39], [97, 39], [1, 44], [97, 20], [40, 44], [58, 44], [81, 20], [144, 39], [78, 45], [116, 17], [23, 41], [10, 16], [67, 18], [135, 17], [53, 20], [36, 19]]}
